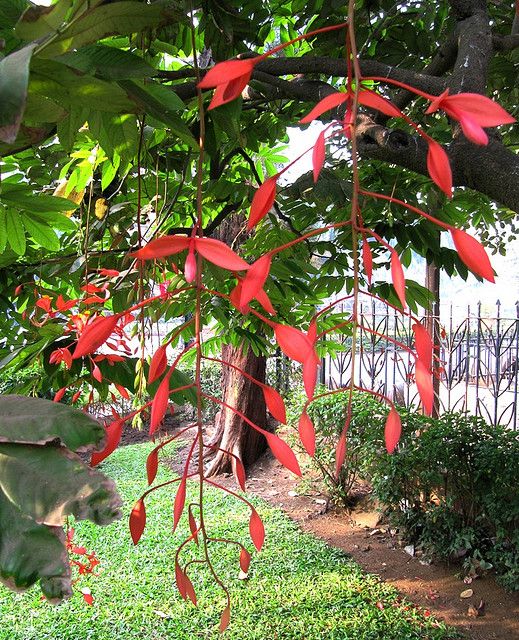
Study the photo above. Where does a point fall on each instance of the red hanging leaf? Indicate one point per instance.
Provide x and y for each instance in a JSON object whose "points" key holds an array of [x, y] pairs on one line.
{"points": [[397, 275], [245, 559], [235, 297], [95, 334], [294, 343], [318, 155], [230, 91], [473, 254], [423, 378], [113, 434], [76, 396], [275, 404], [262, 201], [224, 72], [239, 472], [59, 394], [162, 247], [160, 403], [376, 101], [192, 526], [96, 373], [109, 273], [310, 373], [392, 430], [340, 453], [180, 500], [220, 254], [423, 344], [307, 433], [255, 278], [44, 303], [256, 529], [122, 390], [190, 267], [180, 579], [61, 305], [367, 258], [190, 592], [137, 520], [152, 465], [329, 102], [481, 109], [225, 619], [283, 453], [158, 364], [87, 596], [439, 168], [265, 302]]}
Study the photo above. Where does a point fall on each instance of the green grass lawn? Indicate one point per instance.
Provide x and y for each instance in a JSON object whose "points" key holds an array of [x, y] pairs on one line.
{"points": [[298, 588]]}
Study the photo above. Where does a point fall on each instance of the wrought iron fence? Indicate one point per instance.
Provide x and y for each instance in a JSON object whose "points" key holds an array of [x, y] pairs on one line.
{"points": [[479, 359]]}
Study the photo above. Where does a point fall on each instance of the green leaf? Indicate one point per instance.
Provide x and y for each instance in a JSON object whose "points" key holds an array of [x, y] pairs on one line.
{"points": [[117, 134], [109, 171], [108, 62], [70, 125], [14, 78], [37, 421], [37, 21], [3, 231], [57, 220], [15, 232], [161, 103], [122, 18], [40, 232], [21, 196]]}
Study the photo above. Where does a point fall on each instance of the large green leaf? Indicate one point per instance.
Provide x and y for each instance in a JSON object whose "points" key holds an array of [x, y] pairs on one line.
{"points": [[108, 62], [14, 78], [37, 421], [42, 234], [15, 232], [121, 18], [22, 197], [37, 21]]}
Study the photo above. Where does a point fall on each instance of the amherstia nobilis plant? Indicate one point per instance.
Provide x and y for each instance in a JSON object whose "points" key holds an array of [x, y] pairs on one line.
{"points": [[191, 256]]}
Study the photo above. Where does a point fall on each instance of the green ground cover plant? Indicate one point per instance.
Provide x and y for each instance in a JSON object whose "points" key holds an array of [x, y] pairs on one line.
{"points": [[297, 587]]}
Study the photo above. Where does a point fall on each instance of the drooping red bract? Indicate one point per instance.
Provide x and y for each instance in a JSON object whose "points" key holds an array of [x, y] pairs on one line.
{"points": [[180, 500], [307, 433], [423, 378], [96, 373], [256, 529], [190, 267], [392, 430], [225, 618], [245, 559], [122, 390], [423, 344], [95, 334], [293, 342], [473, 254], [329, 102], [113, 436], [160, 403], [137, 520], [220, 254], [59, 394], [318, 156], [162, 247], [374, 100], [397, 275], [190, 591], [367, 259], [275, 403], [310, 366], [340, 453], [439, 167], [192, 526], [180, 580], [254, 279], [152, 465], [239, 472], [158, 364], [262, 201], [283, 453], [230, 78]]}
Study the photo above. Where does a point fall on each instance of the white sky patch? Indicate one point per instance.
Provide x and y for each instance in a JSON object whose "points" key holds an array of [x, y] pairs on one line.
{"points": [[299, 141]]}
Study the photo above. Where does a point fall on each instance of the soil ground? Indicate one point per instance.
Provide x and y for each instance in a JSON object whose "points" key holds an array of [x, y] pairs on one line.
{"points": [[433, 587]]}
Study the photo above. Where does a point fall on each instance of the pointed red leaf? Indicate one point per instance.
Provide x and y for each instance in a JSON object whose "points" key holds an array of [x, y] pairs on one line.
{"points": [[262, 201], [96, 373], [76, 396], [423, 344], [439, 168], [180, 500], [310, 373], [294, 343], [113, 434], [59, 394], [95, 334], [190, 267], [224, 72], [283, 453], [180, 579], [122, 390], [374, 100], [158, 364], [275, 404], [473, 131], [239, 472], [318, 155], [162, 247], [265, 302], [340, 453], [137, 520], [225, 619], [192, 526], [230, 91], [307, 433], [256, 529], [152, 465], [329, 102], [367, 258], [254, 279], [312, 331], [235, 297], [423, 378], [88, 598], [397, 274], [160, 403], [481, 109], [245, 559], [190, 592], [220, 254], [473, 254], [392, 430]]}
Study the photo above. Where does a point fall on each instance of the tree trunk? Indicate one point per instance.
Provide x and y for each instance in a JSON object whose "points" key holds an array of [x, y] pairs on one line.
{"points": [[232, 433]]}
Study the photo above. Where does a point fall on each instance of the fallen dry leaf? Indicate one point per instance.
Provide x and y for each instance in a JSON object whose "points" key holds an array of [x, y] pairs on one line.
{"points": [[468, 593]]}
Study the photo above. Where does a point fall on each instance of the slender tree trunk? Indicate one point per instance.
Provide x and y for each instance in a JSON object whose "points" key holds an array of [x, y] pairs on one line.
{"points": [[232, 434]]}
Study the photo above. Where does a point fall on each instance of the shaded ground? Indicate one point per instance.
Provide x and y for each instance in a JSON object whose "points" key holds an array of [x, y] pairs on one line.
{"points": [[434, 588]]}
